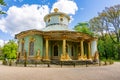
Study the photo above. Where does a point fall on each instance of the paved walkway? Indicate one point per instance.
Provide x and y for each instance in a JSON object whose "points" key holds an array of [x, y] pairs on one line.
{"points": [[111, 72]]}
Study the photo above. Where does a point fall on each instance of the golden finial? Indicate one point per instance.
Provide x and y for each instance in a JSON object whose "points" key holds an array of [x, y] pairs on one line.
{"points": [[56, 10]]}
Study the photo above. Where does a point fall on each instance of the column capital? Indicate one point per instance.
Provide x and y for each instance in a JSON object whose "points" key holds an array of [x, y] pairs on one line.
{"points": [[96, 39], [89, 42], [47, 37], [22, 40], [64, 37], [82, 39]]}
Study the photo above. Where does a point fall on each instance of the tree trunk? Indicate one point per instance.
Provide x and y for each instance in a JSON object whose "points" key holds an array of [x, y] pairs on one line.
{"points": [[118, 52], [106, 56]]}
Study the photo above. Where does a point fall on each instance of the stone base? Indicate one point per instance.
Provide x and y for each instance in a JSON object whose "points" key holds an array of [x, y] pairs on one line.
{"points": [[90, 59], [38, 58], [46, 59], [81, 58]]}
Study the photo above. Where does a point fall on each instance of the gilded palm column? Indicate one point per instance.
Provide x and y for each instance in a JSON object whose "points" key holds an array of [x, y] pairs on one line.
{"points": [[64, 56], [64, 46], [46, 51], [82, 48], [81, 54], [89, 50]]}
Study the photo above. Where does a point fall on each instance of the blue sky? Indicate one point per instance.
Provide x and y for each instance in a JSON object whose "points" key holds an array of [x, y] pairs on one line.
{"points": [[28, 14]]}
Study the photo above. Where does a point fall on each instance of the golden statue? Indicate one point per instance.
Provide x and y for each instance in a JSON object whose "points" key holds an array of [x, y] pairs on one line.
{"points": [[84, 57], [65, 57], [25, 55], [79, 56], [96, 56], [18, 56], [38, 54], [62, 57]]}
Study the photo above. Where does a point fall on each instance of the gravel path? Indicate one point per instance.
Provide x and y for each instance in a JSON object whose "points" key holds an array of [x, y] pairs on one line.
{"points": [[110, 72]]}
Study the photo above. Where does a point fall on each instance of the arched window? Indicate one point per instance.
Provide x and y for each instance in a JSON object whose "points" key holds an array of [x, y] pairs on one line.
{"points": [[48, 20], [31, 48], [55, 50], [79, 50], [66, 48], [22, 47], [61, 19], [72, 51]]}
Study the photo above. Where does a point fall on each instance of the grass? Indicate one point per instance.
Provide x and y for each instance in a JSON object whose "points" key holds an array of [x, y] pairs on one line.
{"points": [[116, 60]]}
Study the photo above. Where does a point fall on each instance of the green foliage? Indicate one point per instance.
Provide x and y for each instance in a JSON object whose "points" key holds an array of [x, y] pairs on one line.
{"points": [[108, 22], [1, 12], [1, 55], [10, 50], [3, 4], [106, 48], [108, 61], [84, 28], [101, 47]]}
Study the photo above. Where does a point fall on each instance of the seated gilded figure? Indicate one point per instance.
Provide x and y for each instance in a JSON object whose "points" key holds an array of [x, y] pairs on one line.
{"points": [[25, 54], [38, 54], [96, 56], [80, 57], [85, 57], [65, 57]]}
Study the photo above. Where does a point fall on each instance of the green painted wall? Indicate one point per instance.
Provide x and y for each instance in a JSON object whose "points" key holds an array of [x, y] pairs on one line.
{"points": [[19, 45], [26, 44], [38, 44]]}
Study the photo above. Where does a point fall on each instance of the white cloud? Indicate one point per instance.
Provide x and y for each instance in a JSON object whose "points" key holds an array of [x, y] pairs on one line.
{"points": [[24, 18], [2, 25], [31, 16], [67, 6], [1, 43]]}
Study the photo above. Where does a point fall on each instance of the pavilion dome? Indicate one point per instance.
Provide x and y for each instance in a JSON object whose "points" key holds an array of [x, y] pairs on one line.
{"points": [[57, 21]]}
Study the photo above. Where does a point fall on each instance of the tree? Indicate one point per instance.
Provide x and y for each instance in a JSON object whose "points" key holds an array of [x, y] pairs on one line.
{"points": [[97, 25], [1, 55], [3, 4], [107, 48], [83, 27], [108, 21], [10, 49]]}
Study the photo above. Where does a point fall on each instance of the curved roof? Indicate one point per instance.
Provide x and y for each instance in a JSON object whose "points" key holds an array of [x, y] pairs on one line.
{"points": [[57, 28], [56, 35]]}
